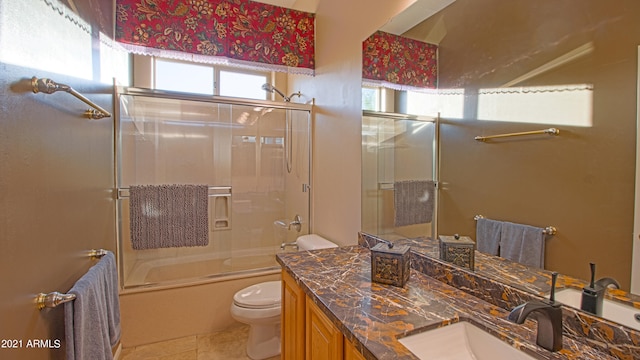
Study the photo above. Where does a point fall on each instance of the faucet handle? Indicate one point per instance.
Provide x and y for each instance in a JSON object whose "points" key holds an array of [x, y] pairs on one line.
{"points": [[552, 294]]}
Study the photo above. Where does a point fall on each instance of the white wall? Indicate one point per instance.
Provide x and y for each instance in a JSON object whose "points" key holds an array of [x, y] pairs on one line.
{"points": [[341, 26]]}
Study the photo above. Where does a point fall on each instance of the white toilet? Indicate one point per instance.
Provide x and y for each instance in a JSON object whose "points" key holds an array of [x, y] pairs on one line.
{"points": [[259, 306]]}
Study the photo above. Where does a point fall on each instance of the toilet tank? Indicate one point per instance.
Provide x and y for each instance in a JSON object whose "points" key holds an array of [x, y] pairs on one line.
{"points": [[313, 242]]}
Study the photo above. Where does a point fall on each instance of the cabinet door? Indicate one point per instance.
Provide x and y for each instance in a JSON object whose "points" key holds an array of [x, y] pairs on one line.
{"points": [[324, 340], [293, 317], [350, 352]]}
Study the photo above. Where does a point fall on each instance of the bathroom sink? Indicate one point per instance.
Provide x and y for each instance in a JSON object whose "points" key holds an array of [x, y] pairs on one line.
{"points": [[459, 341], [611, 310]]}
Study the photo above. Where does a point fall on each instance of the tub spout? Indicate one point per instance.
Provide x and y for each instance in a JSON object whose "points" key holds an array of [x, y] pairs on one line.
{"points": [[284, 245]]}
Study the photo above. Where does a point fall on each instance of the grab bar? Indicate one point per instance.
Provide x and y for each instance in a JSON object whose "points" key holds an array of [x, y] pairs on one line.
{"points": [[49, 86], [549, 131], [55, 298], [549, 230]]}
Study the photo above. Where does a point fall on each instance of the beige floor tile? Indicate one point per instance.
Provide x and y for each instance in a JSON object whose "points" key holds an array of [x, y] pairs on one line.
{"points": [[229, 344], [187, 355], [165, 348]]}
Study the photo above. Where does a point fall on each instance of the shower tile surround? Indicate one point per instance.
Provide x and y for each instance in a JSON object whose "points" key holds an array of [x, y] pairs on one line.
{"points": [[373, 316]]}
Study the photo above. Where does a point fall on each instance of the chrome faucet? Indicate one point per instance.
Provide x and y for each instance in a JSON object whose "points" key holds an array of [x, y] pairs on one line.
{"points": [[549, 319]]}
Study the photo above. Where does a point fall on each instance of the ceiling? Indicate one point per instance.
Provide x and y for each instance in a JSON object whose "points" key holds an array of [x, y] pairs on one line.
{"points": [[410, 17]]}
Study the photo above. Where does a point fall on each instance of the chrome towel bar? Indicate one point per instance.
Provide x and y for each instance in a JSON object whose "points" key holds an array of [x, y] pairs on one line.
{"points": [[49, 86], [549, 131], [55, 298], [549, 230]]}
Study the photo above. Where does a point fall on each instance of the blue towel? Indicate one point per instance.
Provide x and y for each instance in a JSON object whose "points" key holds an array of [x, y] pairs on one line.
{"points": [[523, 244], [92, 320], [488, 236]]}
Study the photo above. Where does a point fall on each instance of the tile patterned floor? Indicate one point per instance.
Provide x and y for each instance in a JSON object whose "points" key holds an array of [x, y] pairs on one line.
{"points": [[229, 344]]}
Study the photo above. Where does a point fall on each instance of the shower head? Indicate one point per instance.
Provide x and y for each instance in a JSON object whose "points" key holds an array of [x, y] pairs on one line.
{"points": [[270, 88]]}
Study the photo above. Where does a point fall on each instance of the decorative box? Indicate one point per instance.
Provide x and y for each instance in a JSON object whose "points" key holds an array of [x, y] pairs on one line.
{"points": [[458, 250], [390, 264]]}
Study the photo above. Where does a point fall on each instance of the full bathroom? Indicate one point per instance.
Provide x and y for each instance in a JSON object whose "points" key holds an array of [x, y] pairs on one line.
{"points": [[301, 172]]}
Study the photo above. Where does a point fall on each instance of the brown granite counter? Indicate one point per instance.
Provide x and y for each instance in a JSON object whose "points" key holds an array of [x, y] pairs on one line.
{"points": [[374, 316]]}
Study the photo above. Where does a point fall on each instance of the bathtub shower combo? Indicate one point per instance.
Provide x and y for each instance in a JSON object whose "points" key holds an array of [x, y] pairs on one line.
{"points": [[207, 186], [399, 175]]}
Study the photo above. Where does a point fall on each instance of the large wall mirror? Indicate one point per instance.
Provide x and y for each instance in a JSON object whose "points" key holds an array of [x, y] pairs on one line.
{"points": [[521, 65]]}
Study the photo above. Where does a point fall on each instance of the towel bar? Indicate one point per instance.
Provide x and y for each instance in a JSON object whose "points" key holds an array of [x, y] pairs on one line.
{"points": [[549, 131], [52, 299], [97, 253], [55, 298], [549, 230], [214, 191]]}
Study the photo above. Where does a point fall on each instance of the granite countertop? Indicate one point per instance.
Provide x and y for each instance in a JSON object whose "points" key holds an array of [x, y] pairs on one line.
{"points": [[374, 316]]}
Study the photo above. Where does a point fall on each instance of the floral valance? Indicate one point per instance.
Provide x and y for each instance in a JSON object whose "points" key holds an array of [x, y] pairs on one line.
{"points": [[239, 32], [398, 62]]}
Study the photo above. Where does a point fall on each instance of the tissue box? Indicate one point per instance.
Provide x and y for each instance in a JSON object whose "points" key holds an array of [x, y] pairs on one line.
{"points": [[390, 265], [458, 250]]}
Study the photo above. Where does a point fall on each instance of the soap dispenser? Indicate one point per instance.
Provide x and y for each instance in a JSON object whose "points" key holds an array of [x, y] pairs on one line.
{"points": [[592, 295]]}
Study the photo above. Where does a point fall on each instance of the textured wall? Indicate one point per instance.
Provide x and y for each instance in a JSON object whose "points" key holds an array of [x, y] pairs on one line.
{"points": [[56, 174]]}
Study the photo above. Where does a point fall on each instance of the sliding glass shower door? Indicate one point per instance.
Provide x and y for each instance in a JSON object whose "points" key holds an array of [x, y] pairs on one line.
{"points": [[252, 156]]}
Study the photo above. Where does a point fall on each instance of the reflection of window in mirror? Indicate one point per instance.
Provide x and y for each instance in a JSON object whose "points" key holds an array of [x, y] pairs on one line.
{"points": [[378, 99], [371, 98]]}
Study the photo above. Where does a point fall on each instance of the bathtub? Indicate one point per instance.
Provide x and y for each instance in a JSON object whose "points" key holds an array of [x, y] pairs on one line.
{"points": [[197, 268]]}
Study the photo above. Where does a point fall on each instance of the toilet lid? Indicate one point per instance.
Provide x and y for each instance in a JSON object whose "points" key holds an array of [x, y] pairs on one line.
{"points": [[259, 296]]}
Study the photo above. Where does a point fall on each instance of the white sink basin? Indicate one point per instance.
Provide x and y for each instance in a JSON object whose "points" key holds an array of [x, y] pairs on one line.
{"points": [[460, 341], [611, 310]]}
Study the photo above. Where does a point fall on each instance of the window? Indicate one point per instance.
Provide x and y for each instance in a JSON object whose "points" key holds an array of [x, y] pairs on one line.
{"points": [[370, 98], [208, 79], [242, 84], [184, 77]]}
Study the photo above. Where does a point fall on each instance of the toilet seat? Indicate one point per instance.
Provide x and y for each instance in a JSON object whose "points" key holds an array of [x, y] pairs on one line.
{"points": [[265, 295]]}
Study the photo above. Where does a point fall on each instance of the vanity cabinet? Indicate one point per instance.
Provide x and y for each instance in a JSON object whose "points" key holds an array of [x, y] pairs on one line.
{"points": [[323, 339], [293, 322], [350, 352], [307, 333]]}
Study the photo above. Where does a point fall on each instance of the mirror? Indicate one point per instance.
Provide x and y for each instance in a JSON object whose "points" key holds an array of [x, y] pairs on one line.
{"points": [[507, 67]]}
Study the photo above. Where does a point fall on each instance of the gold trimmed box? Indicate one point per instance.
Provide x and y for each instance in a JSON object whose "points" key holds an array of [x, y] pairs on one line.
{"points": [[390, 264], [458, 250]]}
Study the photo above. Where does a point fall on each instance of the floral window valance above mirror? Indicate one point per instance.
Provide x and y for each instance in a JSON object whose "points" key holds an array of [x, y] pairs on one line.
{"points": [[398, 62], [232, 32]]}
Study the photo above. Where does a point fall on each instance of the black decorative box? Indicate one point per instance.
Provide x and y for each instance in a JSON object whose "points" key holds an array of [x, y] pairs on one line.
{"points": [[390, 264], [458, 250]]}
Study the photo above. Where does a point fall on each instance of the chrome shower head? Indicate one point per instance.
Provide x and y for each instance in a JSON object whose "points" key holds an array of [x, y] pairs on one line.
{"points": [[270, 88]]}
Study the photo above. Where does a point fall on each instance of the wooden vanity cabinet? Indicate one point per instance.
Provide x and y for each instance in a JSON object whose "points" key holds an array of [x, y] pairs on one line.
{"points": [[350, 352], [306, 332], [324, 340], [293, 319]]}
